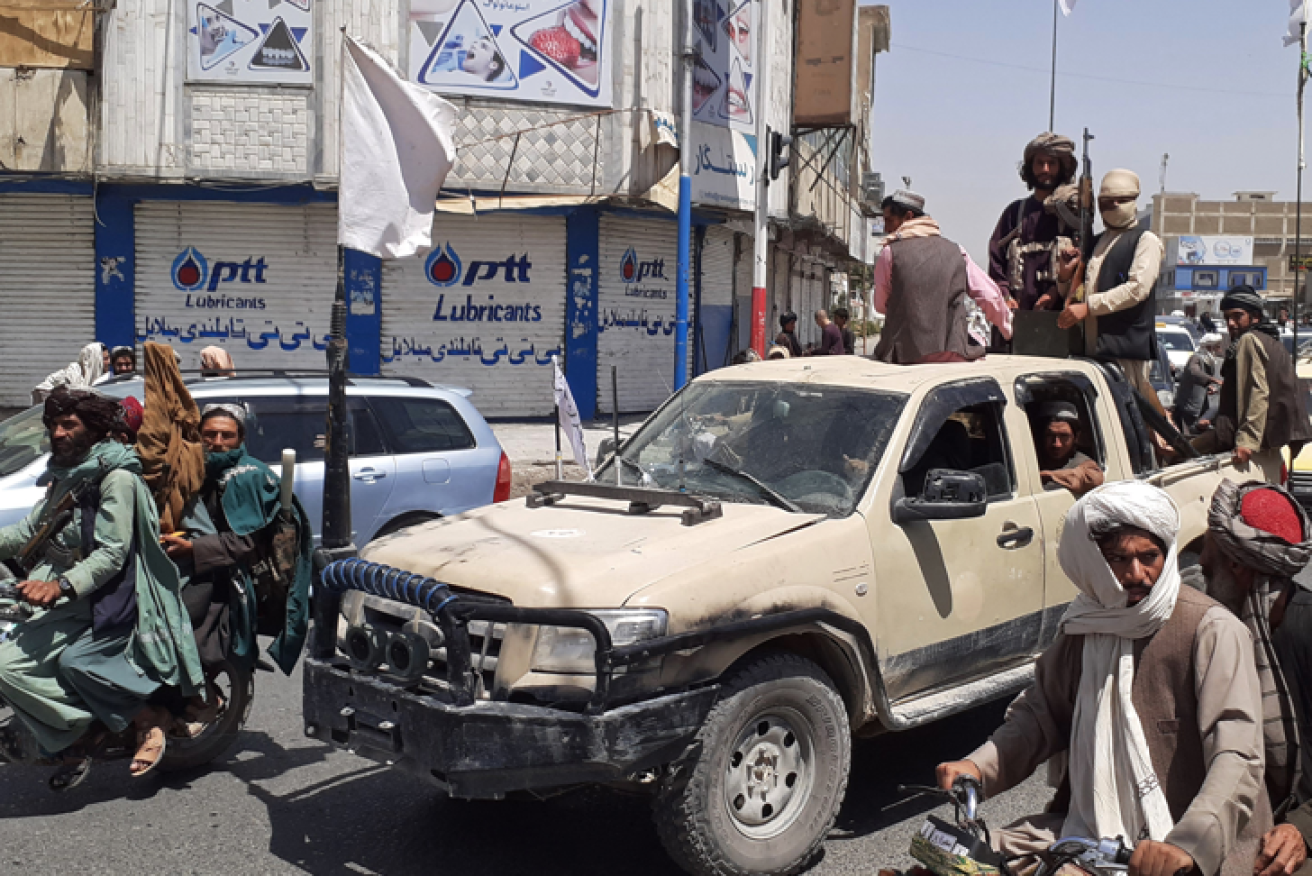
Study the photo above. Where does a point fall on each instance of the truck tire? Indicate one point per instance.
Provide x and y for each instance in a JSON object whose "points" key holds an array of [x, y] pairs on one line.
{"points": [[760, 787], [237, 683]]}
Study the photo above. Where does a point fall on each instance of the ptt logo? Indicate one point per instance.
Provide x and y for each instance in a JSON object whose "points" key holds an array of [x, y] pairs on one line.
{"points": [[633, 270], [192, 272], [444, 268]]}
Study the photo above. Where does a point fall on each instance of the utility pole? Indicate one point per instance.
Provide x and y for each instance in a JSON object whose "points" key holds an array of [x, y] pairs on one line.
{"points": [[764, 157], [685, 206], [1166, 156], [1298, 207], [1052, 83]]}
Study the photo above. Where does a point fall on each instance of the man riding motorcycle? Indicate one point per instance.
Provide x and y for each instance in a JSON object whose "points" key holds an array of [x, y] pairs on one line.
{"points": [[109, 628]]}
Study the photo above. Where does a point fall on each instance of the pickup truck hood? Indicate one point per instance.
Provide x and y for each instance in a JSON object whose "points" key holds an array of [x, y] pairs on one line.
{"points": [[582, 553]]}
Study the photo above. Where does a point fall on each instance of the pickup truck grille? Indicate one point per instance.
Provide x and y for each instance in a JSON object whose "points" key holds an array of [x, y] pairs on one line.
{"points": [[1300, 483], [390, 618]]}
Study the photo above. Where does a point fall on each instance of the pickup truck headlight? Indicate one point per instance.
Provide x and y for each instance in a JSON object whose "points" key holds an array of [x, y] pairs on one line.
{"points": [[570, 650]]}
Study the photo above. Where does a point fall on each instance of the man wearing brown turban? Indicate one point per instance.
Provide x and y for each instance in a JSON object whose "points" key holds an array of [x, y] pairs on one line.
{"points": [[1029, 235]]}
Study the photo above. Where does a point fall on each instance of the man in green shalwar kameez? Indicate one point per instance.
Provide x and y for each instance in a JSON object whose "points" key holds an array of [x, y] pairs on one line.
{"points": [[110, 626]]}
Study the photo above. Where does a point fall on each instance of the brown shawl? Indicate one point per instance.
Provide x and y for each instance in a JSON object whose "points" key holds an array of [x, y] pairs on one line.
{"points": [[172, 459]]}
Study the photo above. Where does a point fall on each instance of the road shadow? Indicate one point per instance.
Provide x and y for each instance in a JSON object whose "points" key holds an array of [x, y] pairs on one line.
{"points": [[880, 765]]}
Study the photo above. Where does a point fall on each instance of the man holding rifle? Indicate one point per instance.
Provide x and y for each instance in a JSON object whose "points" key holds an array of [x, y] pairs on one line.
{"points": [[1118, 302]]}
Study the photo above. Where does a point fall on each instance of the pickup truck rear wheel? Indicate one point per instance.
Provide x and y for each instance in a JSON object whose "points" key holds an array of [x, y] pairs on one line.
{"points": [[759, 789]]}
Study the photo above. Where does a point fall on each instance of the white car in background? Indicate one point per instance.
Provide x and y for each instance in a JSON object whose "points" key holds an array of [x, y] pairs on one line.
{"points": [[1179, 345]]}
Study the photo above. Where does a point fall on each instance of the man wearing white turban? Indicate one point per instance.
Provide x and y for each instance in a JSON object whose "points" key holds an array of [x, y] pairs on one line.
{"points": [[1151, 693]]}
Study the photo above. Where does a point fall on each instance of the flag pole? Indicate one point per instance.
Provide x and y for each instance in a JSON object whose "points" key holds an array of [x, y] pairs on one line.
{"points": [[1052, 84], [1298, 200]]}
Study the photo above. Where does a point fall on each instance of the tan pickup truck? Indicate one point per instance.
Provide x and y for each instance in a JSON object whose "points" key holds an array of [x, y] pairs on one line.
{"points": [[783, 556]]}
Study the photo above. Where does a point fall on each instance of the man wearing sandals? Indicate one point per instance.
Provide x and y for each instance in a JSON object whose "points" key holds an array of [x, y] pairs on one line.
{"points": [[110, 628], [1151, 692]]}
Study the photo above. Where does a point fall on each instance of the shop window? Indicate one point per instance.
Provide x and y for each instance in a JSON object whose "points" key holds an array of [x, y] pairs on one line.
{"points": [[1246, 278], [1206, 279]]}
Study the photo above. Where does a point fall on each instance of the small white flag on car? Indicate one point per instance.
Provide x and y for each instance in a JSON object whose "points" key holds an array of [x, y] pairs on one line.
{"points": [[1067, 6], [1297, 15], [397, 148], [568, 414]]}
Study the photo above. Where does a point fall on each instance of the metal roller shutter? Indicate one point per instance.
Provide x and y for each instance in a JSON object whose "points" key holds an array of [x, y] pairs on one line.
{"points": [[636, 322], [715, 316], [47, 288], [743, 270], [484, 309], [255, 279]]}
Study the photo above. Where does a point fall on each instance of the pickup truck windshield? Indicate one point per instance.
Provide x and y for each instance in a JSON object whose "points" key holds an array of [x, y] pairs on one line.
{"points": [[798, 447]]}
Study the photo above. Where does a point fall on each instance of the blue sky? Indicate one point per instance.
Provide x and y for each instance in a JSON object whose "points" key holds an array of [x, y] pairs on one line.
{"points": [[1206, 81]]}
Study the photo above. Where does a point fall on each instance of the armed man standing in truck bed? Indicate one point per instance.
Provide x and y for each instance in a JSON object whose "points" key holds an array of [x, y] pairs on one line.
{"points": [[1119, 304]]}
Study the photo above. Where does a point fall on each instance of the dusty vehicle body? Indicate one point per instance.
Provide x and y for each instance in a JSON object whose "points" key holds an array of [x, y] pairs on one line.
{"points": [[720, 644]]}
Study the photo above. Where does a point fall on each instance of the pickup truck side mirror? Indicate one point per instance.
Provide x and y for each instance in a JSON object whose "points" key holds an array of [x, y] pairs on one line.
{"points": [[948, 495]]}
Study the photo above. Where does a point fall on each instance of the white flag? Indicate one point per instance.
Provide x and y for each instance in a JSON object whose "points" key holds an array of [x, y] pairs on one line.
{"points": [[1297, 15], [1067, 6], [397, 148], [568, 413]]}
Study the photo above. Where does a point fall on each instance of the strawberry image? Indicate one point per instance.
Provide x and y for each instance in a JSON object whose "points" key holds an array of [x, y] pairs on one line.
{"points": [[557, 44]]}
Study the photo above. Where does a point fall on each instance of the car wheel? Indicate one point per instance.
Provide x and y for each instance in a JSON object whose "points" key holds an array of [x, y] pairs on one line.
{"points": [[760, 787]]}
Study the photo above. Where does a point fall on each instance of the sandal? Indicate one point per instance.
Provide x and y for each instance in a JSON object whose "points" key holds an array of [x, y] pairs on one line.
{"points": [[152, 744], [70, 775]]}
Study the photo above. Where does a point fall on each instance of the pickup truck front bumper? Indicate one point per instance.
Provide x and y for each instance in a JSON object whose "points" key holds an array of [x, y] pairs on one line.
{"points": [[487, 748]]}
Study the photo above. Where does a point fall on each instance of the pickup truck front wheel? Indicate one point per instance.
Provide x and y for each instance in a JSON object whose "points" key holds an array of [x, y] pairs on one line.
{"points": [[759, 789]]}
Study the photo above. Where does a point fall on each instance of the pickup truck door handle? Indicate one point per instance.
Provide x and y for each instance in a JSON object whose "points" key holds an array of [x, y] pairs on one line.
{"points": [[1015, 538], [369, 475]]}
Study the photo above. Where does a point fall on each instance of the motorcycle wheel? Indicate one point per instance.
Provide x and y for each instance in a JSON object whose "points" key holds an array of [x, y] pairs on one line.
{"points": [[237, 686]]}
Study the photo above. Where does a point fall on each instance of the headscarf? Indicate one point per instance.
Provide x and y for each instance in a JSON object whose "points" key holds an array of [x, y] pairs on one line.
{"points": [[1109, 758], [130, 416], [1243, 297], [215, 361], [909, 199], [97, 412], [1059, 147], [88, 368], [1264, 528], [1119, 184], [172, 460], [1211, 348]]}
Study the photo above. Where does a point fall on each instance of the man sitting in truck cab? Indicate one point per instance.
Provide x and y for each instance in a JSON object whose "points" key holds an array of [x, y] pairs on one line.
{"points": [[1056, 428]]}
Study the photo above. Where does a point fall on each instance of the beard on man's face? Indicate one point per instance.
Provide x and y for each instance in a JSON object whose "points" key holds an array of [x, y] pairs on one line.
{"points": [[70, 449]]}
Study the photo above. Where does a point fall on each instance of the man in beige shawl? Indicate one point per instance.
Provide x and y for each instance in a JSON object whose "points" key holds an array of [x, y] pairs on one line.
{"points": [[1151, 692]]}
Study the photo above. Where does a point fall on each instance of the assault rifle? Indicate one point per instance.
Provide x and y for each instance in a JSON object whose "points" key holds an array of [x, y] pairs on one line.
{"points": [[1084, 234], [52, 522]]}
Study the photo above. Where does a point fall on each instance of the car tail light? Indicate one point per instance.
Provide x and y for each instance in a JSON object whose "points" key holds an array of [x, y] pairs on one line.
{"points": [[502, 490]]}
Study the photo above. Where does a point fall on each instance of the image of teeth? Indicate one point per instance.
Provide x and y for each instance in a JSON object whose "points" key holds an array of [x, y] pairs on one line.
{"points": [[586, 42]]}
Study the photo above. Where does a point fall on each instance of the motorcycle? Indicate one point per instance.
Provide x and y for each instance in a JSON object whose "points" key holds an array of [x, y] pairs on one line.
{"points": [[231, 679], [962, 847]]}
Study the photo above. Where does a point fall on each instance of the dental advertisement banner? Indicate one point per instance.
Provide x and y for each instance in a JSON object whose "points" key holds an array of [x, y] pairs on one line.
{"points": [[540, 51], [250, 41], [724, 103]]}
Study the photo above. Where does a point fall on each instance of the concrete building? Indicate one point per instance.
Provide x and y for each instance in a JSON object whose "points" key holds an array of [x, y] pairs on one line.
{"points": [[1214, 245], [170, 174]]}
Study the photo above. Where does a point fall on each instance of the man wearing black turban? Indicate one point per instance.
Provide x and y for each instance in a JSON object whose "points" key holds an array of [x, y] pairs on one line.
{"points": [[1261, 407]]}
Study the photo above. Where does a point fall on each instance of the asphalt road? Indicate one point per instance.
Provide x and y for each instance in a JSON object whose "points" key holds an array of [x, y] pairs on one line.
{"points": [[281, 803]]}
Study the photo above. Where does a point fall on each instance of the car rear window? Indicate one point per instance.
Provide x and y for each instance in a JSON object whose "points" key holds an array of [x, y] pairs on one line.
{"points": [[422, 425]]}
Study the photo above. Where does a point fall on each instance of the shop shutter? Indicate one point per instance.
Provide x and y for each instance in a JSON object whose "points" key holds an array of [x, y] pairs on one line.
{"points": [[256, 279], [715, 318], [639, 269], [484, 309], [743, 269], [47, 288]]}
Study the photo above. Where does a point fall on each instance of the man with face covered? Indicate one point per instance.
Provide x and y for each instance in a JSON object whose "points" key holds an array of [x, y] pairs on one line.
{"points": [[1119, 299], [1025, 247]]}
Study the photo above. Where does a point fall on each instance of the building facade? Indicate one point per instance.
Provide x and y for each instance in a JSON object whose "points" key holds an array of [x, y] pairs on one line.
{"points": [[171, 175], [1212, 246]]}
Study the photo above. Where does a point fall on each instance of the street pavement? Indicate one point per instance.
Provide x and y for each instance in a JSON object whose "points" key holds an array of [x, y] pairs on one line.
{"points": [[279, 803]]}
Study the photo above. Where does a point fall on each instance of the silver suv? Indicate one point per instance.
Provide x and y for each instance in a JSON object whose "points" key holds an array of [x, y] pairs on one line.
{"points": [[417, 451]]}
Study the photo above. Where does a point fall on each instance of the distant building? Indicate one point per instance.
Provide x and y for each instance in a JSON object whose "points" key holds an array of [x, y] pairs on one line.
{"points": [[1212, 246]]}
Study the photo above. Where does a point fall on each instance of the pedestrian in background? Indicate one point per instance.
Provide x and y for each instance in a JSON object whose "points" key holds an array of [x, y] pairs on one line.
{"points": [[841, 319], [831, 336], [788, 336], [1200, 377]]}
